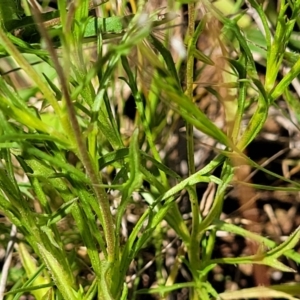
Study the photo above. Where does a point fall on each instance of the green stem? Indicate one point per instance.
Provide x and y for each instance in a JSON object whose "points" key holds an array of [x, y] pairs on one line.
{"points": [[194, 243], [189, 88], [76, 137]]}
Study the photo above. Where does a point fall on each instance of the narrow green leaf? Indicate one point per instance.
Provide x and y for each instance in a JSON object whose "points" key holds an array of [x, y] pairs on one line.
{"points": [[257, 292], [60, 277], [288, 244], [30, 267]]}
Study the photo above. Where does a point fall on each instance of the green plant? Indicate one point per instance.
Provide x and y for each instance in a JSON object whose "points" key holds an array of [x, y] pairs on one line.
{"points": [[76, 117]]}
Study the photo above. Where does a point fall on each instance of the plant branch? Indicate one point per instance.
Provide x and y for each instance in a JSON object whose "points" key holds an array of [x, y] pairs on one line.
{"points": [[94, 177]]}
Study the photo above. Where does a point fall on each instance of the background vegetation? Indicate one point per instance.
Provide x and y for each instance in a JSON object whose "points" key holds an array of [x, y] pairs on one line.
{"points": [[149, 149]]}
